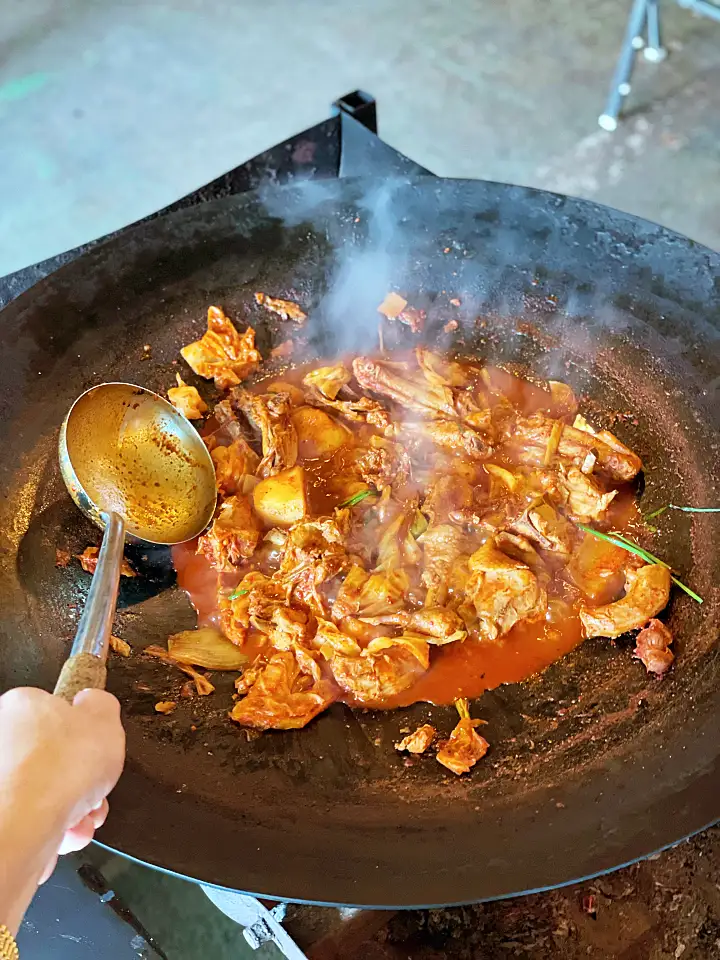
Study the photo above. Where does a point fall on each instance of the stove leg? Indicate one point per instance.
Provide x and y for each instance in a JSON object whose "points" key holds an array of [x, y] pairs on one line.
{"points": [[644, 16], [654, 51], [260, 924]]}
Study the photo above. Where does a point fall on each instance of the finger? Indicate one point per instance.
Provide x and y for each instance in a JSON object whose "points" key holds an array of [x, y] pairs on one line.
{"points": [[48, 871], [98, 702], [99, 814], [77, 837]]}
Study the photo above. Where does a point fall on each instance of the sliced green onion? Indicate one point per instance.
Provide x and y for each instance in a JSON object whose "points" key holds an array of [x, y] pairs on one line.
{"points": [[620, 541], [650, 557], [656, 513], [674, 506], [237, 593], [356, 498], [688, 591]]}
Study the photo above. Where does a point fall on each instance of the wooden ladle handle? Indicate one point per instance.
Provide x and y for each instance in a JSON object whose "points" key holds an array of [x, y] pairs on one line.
{"points": [[80, 672]]}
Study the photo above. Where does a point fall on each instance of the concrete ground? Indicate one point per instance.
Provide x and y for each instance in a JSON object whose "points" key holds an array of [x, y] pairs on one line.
{"points": [[109, 111]]}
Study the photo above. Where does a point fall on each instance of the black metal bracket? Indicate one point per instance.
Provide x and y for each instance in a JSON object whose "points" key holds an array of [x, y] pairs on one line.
{"points": [[361, 150], [360, 106]]}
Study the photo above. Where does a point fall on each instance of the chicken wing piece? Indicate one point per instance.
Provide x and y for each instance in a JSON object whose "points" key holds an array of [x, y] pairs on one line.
{"points": [[454, 436], [652, 646], [543, 525], [501, 591], [284, 696], [233, 463], [531, 436], [418, 741], [395, 380], [386, 667], [646, 593], [222, 354], [442, 544], [233, 536], [581, 497], [271, 415], [325, 383], [187, 400], [285, 309]]}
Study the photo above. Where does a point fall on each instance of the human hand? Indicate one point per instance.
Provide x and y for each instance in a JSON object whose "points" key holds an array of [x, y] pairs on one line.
{"points": [[58, 763]]}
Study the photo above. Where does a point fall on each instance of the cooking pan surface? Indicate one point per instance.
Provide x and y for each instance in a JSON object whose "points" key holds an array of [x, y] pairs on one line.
{"points": [[593, 763]]}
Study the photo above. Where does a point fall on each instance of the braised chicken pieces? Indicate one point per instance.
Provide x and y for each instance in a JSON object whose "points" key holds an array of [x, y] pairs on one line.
{"points": [[382, 519]]}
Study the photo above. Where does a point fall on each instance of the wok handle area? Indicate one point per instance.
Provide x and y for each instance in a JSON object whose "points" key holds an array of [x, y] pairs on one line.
{"points": [[85, 667]]}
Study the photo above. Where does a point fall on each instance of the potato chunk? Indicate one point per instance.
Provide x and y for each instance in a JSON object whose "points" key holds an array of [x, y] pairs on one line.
{"points": [[281, 500], [319, 436]]}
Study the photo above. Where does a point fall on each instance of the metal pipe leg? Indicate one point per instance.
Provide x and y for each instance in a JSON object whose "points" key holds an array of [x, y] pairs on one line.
{"points": [[620, 85], [654, 51]]}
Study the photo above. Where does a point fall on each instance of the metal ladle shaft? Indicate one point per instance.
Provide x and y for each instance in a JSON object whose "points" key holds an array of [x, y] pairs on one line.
{"points": [[134, 465], [86, 665]]}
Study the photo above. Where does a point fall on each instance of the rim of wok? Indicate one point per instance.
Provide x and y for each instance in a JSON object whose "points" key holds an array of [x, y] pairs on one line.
{"points": [[593, 764]]}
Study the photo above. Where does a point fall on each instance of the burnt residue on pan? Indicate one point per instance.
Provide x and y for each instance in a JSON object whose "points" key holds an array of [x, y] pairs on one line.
{"points": [[592, 763]]}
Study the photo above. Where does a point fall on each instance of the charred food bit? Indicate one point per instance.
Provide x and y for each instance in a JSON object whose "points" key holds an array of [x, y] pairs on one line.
{"points": [[62, 557], [285, 309], [395, 307], [464, 747], [187, 400], [647, 591], [121, 647], [165, 706], [652, 646], [89, 561], [222, 354], [202, 684], [419, 740]]}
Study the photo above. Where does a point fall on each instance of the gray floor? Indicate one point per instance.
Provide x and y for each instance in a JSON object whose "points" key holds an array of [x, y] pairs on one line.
{"points": [[109, 110]]}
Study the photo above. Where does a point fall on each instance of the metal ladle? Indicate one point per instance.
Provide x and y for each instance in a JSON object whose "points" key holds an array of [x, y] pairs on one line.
{"points": [[137, 468]]}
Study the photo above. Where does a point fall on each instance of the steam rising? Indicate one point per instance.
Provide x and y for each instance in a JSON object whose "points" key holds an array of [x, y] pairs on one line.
{"points": [[508, 256]]}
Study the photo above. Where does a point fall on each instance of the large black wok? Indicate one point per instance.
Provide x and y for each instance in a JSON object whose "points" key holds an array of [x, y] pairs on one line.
{"points": [[593, 764]]}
